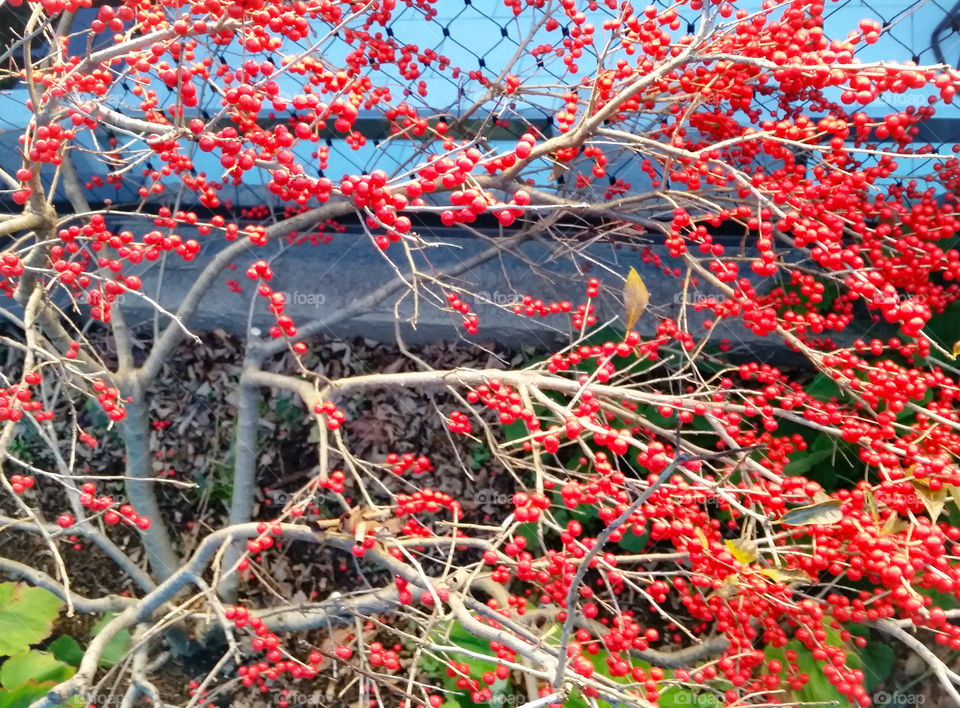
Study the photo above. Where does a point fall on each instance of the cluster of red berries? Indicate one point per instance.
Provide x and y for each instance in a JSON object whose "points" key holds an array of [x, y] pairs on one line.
{"points": [[89, 500], [386, 658], [45, 144], [584, 317], [16, 400], [478, 694], [470, 321], [381, 203], [887, 251], [408, 461], [459, 422], [324, 235], [10, 265], [265, 538], [470, 202], [528, 507], [334, 415], [258, 674], [334, 482], [284, 326], [21, 483], [530, 307], [109, 399], [427, 501], [506, 401]]}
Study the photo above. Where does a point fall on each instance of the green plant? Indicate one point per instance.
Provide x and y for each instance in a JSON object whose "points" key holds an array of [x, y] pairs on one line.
{"points": [[479, 456], [504, 689], [26, 618]]}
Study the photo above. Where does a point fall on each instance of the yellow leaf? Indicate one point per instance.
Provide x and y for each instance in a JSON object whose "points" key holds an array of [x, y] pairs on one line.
{"points": [[820, 497], [702, 537], [955, 494], [872, 503], [932, 500], [956, 349], [635, 297], [784, 575], [729, 587], [893, 525], [744, 550]]}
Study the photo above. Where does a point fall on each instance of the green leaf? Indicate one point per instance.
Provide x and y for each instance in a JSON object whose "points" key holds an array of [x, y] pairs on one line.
{"points": [[67, 649], [576, 700], [940, 599], [33, 665], [117, 647], [825, 460], [479, 456], [455, 634], [877, 658], [945, 327], [633, 542], [529, 532], [22, 696], [26, 616], [584, 513], [803, 461], [514, 431], [819, 687], [460, 637], [823, 388], [561, 516], [499, 692]]}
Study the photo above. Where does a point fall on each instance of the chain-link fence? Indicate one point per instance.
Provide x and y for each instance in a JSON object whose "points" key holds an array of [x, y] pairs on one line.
{"points": [[485, 36]]}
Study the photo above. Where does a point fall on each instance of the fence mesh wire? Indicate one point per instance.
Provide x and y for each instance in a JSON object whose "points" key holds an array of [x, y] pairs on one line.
{"points": [[484, 35]]}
